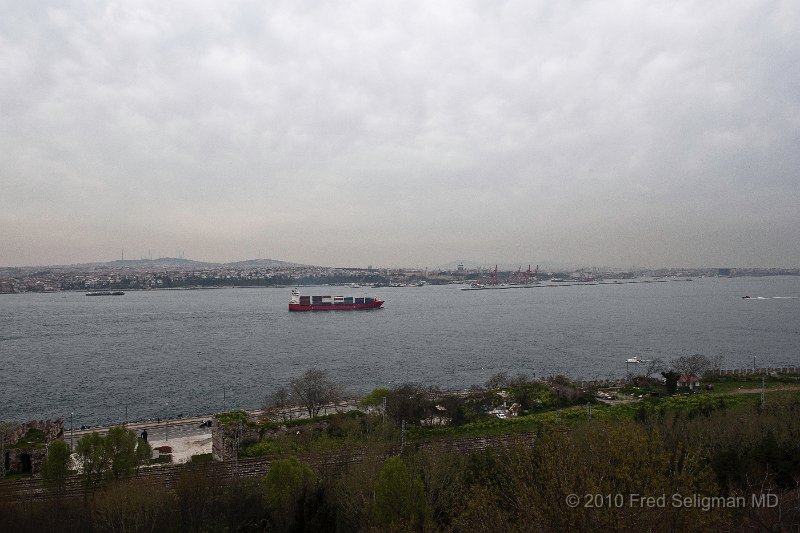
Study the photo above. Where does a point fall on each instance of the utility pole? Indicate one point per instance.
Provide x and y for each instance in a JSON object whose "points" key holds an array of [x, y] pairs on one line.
{"points": [[384, 409], [71, 432], [763, 386], [237, 438], [126, 415], [402, 436]]}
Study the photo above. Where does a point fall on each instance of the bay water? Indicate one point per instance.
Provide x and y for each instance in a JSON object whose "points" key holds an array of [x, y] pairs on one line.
{"points": [[180, 352]]}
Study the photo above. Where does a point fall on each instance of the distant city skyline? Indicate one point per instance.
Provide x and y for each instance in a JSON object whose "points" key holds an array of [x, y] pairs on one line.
{"points": [[268, 262], [404, 134]]}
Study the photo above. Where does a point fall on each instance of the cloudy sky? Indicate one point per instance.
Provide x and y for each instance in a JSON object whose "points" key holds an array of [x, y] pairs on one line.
{"points": [[619, 133]]}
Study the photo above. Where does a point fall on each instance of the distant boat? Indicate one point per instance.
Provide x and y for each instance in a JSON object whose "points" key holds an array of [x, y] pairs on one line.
{"points": [[105, 293]]}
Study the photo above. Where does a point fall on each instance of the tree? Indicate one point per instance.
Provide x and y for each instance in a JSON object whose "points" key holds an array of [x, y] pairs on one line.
{"points": [[278, 402], [497, 381], [671, 381], [454, 407], [399, 497], [620, 458], [655, 366], [138, 505], [691, 365], [125, 451], [120, 453], [55, 466], [716, 363], [286, 485], [407, 402], [375, 398], [92, 456], [313, 390]]}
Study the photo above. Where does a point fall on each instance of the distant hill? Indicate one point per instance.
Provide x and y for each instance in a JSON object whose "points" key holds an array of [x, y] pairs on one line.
{"points": [[161, 262], [263, 263], [180, 263]]}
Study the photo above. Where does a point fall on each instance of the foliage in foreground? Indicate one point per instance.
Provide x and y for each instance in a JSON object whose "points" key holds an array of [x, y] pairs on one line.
{"points": [[730, 450]]}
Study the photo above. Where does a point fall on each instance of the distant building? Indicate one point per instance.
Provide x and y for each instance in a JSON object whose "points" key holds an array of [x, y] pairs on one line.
{"points": [[691, 382], [724, 272]]}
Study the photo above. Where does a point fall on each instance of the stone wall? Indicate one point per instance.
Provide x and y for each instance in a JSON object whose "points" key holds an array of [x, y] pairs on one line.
{"points": [[790, 370], [223, 437], [21, 458]]}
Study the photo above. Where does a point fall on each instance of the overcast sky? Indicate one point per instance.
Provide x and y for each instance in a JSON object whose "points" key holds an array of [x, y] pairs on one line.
{"points": [[401, 133]]}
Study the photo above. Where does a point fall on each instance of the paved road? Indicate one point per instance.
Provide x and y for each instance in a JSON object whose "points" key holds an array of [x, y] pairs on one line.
{"points": [[156, 431], [190, 427]]}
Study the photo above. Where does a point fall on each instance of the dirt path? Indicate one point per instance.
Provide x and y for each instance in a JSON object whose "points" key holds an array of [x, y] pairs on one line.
{"points": [[768, 389]]}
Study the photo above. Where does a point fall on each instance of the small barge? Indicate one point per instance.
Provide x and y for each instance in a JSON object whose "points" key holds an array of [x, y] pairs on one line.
{"points": [[105, 293]]}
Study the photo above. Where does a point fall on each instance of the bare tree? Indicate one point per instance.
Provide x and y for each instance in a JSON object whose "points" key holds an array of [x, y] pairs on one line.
{"points": [[498, 380], [690, 365], [716, 363], [313, 390], [655, 366], [278, 402]]}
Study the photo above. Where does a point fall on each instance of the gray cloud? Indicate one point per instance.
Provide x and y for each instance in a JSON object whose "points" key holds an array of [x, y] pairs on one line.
{"points": [[614, 133]]}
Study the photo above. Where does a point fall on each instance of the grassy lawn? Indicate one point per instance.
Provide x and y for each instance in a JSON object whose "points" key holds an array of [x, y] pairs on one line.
{"points": [[358, 428], [732, 385]]}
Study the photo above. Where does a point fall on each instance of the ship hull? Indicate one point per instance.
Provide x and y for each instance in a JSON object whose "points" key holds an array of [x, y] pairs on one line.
{"points": [[335, 307]]}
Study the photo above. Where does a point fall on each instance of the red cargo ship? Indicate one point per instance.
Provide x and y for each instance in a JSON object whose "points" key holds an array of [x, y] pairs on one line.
{"points": [[331, 303]]}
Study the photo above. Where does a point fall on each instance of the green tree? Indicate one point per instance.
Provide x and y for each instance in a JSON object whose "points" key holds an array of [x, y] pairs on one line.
{"points": [[126, 452], [120, 445], [56, 464], [120, 454], [286, 486], [92, 456], [375, 398], [399, 497]]}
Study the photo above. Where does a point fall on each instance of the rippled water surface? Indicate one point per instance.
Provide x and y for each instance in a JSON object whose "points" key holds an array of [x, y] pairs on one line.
{"points": [[198, 351]]}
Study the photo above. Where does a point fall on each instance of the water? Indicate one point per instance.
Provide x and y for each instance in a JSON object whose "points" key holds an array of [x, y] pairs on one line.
{"points": [[165, 353]]}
